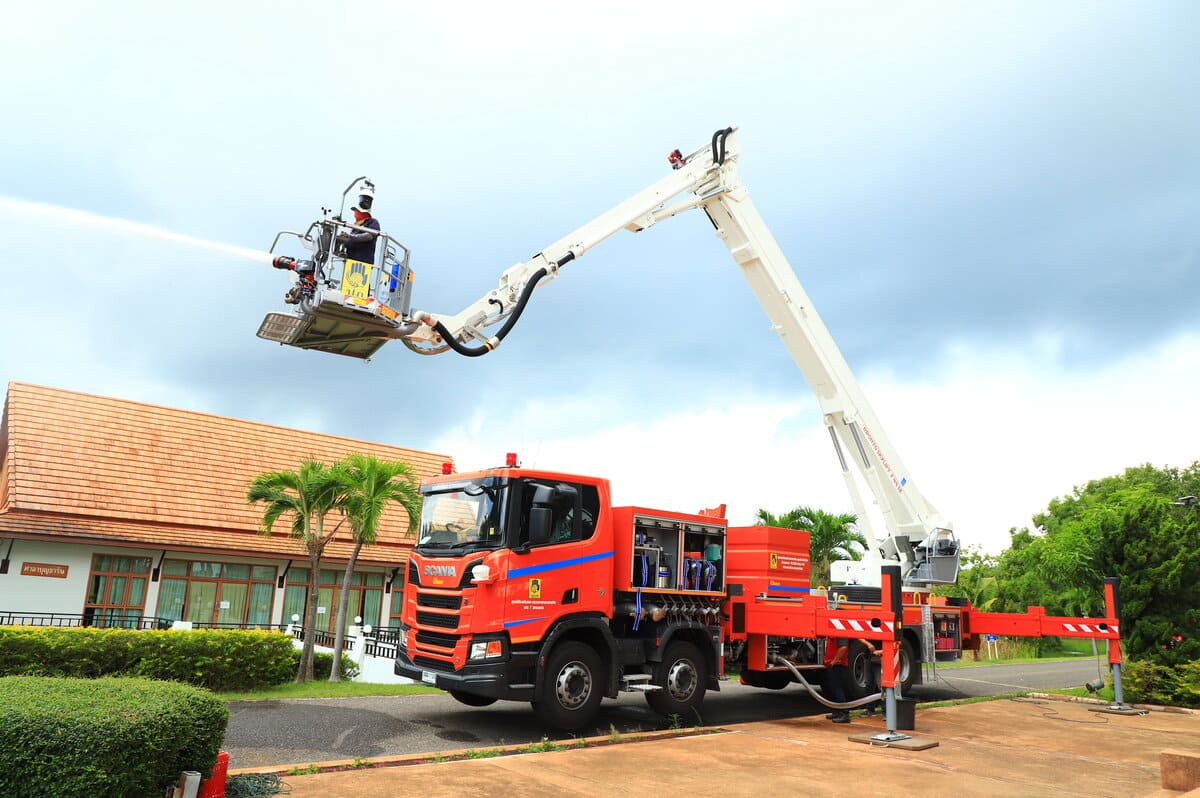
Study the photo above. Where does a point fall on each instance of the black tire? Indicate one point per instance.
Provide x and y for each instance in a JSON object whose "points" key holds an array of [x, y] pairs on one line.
{"points": [[682, 676], [906, 674], [863, 670], [860, 677], [471, 699], [574, 686]]}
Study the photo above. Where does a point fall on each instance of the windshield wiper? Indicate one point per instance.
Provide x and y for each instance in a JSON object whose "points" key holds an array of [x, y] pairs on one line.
{"points": [[439, 544]]}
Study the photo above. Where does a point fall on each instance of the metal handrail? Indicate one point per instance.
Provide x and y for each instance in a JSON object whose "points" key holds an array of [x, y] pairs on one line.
{"points": [[100, 621]]}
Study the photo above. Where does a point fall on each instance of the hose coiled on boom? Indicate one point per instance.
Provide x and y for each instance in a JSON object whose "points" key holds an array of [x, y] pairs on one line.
{"points": [[518, 309]]}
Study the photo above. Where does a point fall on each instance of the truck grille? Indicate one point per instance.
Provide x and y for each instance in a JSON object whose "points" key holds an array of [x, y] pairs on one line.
{"points": [[437, 619], [439, 600], [432, 664], [437, 639]]}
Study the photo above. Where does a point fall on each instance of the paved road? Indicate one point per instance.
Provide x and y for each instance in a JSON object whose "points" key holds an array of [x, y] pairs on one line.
{"points": [[264, 733]]}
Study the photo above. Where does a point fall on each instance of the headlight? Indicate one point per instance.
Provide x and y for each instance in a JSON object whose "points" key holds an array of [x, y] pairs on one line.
{"points": [[402, 637], [486, 649]]}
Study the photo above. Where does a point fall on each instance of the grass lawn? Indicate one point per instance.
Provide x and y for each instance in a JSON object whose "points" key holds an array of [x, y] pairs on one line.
{"points": [[320, 688], [967, 661]]}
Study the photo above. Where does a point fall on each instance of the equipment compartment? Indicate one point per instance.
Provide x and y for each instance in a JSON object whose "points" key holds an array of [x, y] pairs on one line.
{"points": [[669, 551]]}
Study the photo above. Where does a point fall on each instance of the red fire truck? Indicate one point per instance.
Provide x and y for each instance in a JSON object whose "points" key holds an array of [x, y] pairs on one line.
{"points": [[528, 585]]}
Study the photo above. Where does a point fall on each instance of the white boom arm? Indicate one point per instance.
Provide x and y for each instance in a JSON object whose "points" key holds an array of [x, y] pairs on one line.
{"points": [[915, 534]]}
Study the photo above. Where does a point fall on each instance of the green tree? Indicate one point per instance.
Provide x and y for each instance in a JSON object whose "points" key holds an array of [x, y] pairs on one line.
{"points": [[1136, 526], [307, 496], [978, 580], [370, 486], [831, 536]]}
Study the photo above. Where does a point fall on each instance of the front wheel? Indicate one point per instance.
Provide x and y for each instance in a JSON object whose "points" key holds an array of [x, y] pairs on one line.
{"points": [[682, 677], [570, 696]]}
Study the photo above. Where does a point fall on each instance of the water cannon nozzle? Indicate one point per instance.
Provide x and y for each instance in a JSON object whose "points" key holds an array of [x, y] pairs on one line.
{"points": [[293, 265]]}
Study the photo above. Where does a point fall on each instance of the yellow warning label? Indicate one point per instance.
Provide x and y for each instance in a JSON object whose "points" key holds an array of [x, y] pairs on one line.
{"points": [[356, 279], [535, 588], [774, 560]]}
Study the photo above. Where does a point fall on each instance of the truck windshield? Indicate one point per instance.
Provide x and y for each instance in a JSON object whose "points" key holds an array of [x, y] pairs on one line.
{"points": [[463, 516]]}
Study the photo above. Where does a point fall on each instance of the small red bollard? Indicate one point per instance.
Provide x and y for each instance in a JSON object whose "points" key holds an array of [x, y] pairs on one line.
{"points": [[214, 785]]}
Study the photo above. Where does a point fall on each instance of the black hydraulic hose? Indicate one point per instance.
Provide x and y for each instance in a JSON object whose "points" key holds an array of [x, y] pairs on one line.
{"points": [[518, 309], [718, 144]]}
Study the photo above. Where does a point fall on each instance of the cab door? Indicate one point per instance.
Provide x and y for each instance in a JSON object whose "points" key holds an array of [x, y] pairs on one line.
{"points": [[570, 571]]}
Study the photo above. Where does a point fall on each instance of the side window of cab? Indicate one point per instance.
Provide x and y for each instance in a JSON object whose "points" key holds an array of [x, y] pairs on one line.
{"points": [[578, 522], [574, 508], [589, 510]]}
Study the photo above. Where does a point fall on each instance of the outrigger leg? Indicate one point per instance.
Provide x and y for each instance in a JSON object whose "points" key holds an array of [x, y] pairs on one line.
{"points": [[1112, 608]]}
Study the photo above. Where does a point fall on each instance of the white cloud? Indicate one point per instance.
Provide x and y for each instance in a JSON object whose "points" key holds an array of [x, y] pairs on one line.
{"points": [[989, 441]]}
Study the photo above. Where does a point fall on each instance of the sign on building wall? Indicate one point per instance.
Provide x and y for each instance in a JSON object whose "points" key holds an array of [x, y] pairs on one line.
{"points": [[43, 569]]}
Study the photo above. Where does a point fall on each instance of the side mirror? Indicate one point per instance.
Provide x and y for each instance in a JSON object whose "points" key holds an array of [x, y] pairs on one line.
{"points": [[539, 524]]}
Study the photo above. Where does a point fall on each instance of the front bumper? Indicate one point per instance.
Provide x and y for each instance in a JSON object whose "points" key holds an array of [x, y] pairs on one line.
{"points": [[510, 680]]}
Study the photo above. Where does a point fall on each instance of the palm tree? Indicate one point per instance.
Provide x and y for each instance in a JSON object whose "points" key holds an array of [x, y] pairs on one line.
{"points": [[371, 485], [831, 536], [307, 495]]}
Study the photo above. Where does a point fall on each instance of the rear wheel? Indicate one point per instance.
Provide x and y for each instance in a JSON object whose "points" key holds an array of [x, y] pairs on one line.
{"points": [[865, 670], [471, 699], [859, 672], [906, 673], [570, 696], [682, 676]]}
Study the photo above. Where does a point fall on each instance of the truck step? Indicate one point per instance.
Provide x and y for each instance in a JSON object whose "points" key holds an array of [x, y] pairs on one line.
{"points": [[640, 688], [637, 677]]}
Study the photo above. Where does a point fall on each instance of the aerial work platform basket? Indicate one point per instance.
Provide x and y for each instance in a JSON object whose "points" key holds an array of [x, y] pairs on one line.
{"points": [[342, 306]]}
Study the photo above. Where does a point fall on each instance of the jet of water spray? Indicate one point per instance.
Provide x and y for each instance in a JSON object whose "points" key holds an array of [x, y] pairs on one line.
{"points": [[74, 216]]}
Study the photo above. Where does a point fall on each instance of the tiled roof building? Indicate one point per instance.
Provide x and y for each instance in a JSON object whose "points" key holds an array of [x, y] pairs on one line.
{"points": [[115, 477]]}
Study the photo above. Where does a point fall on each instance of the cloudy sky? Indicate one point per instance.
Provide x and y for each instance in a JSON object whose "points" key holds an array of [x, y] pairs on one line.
{"points": [[994, 206]]}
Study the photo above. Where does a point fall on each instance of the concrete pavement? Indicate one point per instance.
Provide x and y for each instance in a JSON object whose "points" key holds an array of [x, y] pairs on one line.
{"points": [[1026, 747]]}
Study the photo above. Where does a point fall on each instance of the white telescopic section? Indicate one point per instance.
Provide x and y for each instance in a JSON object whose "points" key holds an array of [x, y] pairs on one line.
{"points": [[908, 518], [906, 513]]}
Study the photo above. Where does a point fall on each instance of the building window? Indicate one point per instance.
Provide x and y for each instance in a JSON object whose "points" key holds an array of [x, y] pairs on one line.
{"points": [[397, 604], [217, 594], [116, 593], [366, 597], [295, 594]]}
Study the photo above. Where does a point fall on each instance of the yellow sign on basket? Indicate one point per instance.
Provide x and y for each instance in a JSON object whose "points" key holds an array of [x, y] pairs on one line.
{"points": [[356, 279]]}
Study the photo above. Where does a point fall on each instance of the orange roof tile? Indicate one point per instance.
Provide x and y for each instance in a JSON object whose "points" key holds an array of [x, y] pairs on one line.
{"points": [[90, 467]]}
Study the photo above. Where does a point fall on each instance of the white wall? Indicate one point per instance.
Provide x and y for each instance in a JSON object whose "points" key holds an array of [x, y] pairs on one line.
{"points": [[49, 594], [43, 594]]}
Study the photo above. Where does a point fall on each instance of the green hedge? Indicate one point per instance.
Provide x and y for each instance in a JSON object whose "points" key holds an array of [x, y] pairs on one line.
{"points": [[123, 738], [323, 664], [1170, 685], [215, 659]]}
